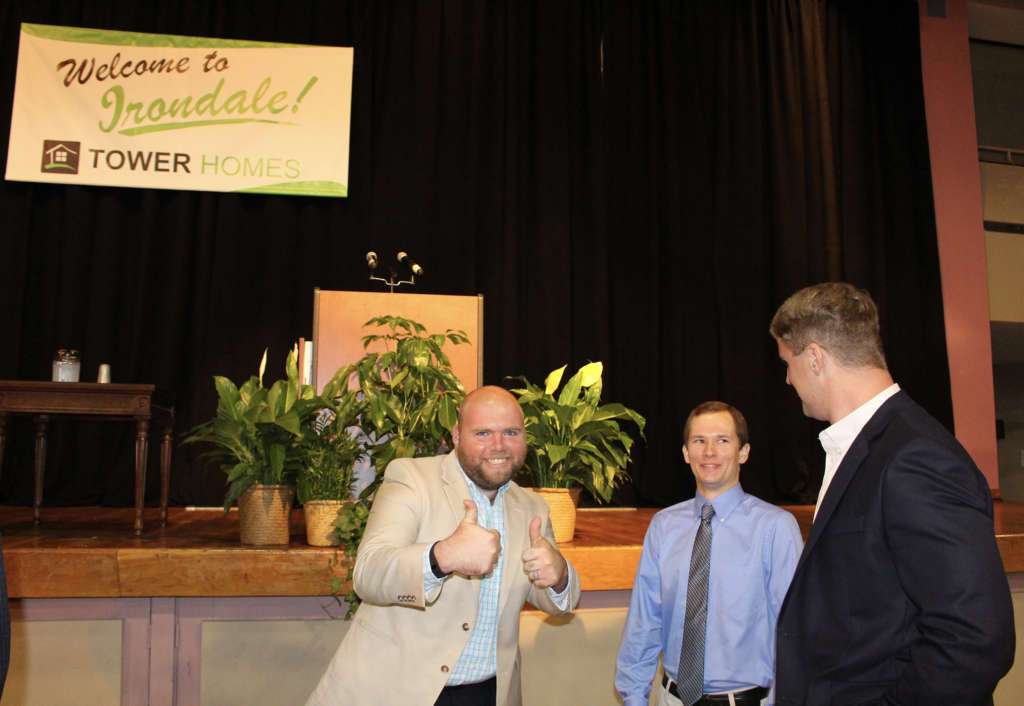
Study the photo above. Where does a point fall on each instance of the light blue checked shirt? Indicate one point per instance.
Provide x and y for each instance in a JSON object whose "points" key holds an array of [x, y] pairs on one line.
{"points": [[478, 660]]}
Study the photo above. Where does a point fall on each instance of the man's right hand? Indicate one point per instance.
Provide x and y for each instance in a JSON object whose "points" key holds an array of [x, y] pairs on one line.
{"points": [[471, 550]]}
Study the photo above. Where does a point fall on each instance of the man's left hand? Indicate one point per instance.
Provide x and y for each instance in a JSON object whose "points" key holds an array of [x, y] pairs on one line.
{"points": [[543, 564]]}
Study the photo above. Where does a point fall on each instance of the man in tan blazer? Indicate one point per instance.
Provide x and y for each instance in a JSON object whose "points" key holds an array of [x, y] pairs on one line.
{"points": [[452, 550]]}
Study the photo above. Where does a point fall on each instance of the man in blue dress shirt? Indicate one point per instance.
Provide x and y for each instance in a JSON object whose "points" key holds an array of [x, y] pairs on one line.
{"points": [[753, 554]]}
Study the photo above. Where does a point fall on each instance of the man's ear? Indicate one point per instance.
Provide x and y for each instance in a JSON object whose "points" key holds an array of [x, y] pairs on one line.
{"points": [[744, 453], [816, 358], [686, 454]]}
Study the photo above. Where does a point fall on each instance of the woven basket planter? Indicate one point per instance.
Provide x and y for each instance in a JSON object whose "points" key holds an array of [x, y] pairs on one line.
{"points": [[562, 502], [320, 516], [263, 514]]}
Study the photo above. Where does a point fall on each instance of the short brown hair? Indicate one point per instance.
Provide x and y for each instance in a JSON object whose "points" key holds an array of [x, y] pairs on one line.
{"points": [[838, 317], [738, 420]]}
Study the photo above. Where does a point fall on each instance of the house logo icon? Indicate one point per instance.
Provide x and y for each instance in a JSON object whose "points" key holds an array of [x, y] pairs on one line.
{"points": [[60, 156]]}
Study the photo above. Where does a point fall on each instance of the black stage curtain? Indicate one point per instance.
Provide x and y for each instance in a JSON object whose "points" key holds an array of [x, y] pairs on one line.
{"points": [[638, 183]]}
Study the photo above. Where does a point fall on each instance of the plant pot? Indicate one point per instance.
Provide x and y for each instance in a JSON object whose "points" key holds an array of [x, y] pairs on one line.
{"points": [[562, 502], [263, 514], [320, 516]]}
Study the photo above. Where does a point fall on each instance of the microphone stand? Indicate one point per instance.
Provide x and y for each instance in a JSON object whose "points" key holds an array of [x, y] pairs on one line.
{"points": [[392, 280]]}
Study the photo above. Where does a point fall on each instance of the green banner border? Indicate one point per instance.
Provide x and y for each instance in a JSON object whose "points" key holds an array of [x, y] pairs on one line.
{"points": [[332, 189], [81, 35]]}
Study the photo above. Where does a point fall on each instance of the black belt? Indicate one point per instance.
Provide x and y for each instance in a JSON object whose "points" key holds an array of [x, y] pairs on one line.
{"points": [[486, 683], [749, 697]]}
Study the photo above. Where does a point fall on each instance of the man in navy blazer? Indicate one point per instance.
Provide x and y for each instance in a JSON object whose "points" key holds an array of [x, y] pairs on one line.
{"points": [[899, 596]]}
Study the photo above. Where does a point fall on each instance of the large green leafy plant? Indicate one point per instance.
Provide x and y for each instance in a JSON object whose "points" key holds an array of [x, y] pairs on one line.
{"points": [[410, 399], [256, 435], [573, 439], [409, 392]]}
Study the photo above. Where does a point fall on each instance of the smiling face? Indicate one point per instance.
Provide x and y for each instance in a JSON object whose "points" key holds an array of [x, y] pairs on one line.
{"points": [[489, 439], [802, 375], [714, 453]]}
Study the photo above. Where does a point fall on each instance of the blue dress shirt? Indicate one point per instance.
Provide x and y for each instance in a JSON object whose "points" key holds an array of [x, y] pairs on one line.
{"points": [[754, 551]]}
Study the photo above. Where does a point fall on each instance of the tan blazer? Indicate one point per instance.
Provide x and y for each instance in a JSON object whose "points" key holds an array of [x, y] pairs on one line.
{"points": [[399, 649]]}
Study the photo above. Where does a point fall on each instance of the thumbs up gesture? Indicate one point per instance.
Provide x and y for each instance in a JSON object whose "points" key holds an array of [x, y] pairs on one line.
{"points": [[543, 564], [471, 550], [470, 518]]}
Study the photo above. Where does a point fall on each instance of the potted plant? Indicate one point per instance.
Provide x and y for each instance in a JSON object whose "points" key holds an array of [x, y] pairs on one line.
{"points": [[574, 442], [410, 394], [331, 451], [410, 399], [255, 438]]}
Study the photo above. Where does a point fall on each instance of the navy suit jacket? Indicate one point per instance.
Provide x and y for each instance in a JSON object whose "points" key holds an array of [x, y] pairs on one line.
{"points": [[899, 596]]}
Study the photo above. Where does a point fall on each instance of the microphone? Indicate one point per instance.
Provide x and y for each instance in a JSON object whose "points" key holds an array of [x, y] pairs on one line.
{"points": [[371, 260], [403, 258]]}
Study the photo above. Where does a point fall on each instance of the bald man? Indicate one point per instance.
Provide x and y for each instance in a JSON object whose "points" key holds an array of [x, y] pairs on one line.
{"points": [[452, 550]]}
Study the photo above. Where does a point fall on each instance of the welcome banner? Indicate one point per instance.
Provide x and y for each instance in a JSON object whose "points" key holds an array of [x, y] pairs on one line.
{"points": [[167, 112]]}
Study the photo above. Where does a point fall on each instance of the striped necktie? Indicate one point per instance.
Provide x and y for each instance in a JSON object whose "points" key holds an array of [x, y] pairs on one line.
{"points": [[690, 675]]}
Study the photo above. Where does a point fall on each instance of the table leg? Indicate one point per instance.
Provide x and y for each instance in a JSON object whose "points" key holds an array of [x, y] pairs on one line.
{"points": [[165, 471], [3, 439], [141, 453], [41, 422]]}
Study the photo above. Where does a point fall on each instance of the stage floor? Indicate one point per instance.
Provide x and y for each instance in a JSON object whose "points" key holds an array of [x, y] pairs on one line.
{"points": [[92, 552]]}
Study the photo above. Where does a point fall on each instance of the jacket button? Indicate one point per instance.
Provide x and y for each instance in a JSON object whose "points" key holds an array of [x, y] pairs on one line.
{"points": [[465, 626], [444, 668]]}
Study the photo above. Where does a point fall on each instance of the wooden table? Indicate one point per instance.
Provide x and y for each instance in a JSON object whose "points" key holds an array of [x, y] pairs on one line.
{"points": [[85, 400]]}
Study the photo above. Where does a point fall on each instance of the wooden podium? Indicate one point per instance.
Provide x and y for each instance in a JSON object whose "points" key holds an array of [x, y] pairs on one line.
{"points": [[338, 330]]}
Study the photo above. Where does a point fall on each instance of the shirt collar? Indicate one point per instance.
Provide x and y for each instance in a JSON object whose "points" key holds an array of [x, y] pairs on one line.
{"points": [[837, 439], [478, 495], [723, 504]]}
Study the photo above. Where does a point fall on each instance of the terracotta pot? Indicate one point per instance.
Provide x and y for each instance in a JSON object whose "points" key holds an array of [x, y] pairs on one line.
{"points": [[263, 514], [562, 503], [320, 516]]}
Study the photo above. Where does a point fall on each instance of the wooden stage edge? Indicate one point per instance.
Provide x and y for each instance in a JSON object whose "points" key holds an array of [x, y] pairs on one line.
{"points": [[90, 552]]}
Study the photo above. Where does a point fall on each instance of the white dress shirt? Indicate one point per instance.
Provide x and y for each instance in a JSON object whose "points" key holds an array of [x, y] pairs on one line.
{"points": [[837, 439]]}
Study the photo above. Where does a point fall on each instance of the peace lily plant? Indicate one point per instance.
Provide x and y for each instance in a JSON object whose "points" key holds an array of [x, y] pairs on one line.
{"points": [[573, 439], [256, 434], [256, 438]]}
